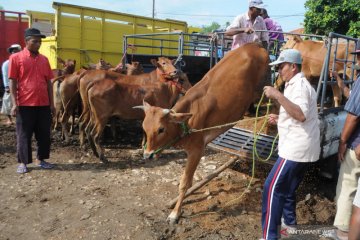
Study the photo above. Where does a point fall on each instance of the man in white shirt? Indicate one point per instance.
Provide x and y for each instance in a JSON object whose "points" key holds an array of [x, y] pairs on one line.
{"points": [[242, 29], [299, 143]]}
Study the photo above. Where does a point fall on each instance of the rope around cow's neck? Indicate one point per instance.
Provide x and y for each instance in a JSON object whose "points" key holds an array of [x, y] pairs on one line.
{"points": [[187, 131]]}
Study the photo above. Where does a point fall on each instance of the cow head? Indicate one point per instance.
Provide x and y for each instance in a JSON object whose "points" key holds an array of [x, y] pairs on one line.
{"points": [[135, 68], [165, 67], [68, 66], [162, 128], [292, 42], [103, 65]]}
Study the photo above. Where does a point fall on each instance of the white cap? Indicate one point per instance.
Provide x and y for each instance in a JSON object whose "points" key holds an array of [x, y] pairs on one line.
{"points": [[288, 55], [256, 4], [14, 46]]}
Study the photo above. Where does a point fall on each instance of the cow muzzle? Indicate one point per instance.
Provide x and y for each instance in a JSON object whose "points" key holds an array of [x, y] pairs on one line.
{"points": [[174, 74], [149, 155]]}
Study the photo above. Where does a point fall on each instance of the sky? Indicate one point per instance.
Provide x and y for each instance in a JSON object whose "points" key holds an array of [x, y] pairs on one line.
{"points": [[289, 14]]}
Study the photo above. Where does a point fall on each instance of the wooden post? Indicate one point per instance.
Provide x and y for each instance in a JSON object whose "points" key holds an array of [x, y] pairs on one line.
{"points": [[207, 179]]}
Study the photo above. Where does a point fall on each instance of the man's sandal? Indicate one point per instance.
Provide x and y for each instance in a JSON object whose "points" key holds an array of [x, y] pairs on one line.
{"points": [[45, 165], [22, 169]]}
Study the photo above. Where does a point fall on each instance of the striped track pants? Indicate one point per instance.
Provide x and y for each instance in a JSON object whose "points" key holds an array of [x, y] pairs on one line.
{"points": [[279, 197]]}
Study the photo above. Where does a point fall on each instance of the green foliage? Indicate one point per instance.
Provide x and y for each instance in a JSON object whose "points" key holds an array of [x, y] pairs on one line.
{"points": [[339, 16], [209, 28]]}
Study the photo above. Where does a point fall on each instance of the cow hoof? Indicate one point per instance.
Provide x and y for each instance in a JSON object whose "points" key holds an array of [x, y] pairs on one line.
{"points": [[172, 220], [103, 159]]}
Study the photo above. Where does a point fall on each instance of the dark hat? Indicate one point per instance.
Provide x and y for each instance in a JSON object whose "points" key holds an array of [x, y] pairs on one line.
{"points": [[33, 32], [357, 49]]}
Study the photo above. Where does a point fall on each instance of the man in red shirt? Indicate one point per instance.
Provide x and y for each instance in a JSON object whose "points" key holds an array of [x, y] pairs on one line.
{"points": [[31, 94]]}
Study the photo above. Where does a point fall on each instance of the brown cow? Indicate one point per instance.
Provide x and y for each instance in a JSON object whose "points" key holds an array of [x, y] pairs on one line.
{"points": [[109, 98], [313, 54], [222, 96], [165, 71], [68, 91], [68, 67], [59, 75]]}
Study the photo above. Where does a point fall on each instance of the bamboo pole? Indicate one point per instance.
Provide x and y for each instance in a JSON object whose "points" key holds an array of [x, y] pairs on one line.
{"points": [[207, 179]]}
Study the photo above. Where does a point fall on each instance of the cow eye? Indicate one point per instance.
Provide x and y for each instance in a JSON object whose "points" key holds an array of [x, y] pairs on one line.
{"points": [[161, 130]]}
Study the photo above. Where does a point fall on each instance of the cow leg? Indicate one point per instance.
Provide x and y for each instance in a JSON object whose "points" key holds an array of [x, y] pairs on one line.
{"points": [[96, 135], [64, 123], [72, 128], [88, 130], [83, 120], [337, 95], [186, 181], [56, 120]]}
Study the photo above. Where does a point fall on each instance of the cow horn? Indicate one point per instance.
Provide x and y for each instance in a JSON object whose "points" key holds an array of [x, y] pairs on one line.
{"points": [[166, 111], [139, 107]]}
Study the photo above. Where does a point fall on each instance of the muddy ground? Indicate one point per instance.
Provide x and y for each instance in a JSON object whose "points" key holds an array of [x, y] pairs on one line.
{"points": [[82, 198]]}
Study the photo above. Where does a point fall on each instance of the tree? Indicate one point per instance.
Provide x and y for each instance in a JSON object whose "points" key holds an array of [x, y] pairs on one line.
{"points": [[339, 16], [210, 28]]}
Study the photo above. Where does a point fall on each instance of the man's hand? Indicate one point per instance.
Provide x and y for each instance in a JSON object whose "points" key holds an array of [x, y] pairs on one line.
{"points": [[334, 74], [357, 152], [341, 150], [273, 119], [14, 110], [271, 92], [248, 30]]}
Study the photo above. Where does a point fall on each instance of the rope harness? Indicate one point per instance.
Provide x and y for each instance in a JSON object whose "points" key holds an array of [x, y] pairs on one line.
{"points": [[186, 130]]}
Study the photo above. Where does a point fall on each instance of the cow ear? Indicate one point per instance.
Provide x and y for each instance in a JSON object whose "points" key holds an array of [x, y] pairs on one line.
{"points": [[154, 62], [61, 61], [297, 39], [179, 117]]}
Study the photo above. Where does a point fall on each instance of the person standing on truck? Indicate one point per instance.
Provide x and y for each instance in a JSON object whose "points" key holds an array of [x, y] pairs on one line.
{"points": [[243, 27], [349, 174], [276, 39], [299, 143], [6, 101], [31, 94]]}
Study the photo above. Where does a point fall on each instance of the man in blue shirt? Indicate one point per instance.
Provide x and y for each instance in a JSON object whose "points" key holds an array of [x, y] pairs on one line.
{"points": [[6, 102], [350, 166]]}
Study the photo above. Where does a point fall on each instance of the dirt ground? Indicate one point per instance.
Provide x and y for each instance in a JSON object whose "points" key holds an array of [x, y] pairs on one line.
{"points": [[82, 198]]}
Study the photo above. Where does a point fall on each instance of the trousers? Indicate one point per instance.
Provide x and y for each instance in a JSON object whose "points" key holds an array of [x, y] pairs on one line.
{"points": [[33, 120], [279, 196], [346, 189]]}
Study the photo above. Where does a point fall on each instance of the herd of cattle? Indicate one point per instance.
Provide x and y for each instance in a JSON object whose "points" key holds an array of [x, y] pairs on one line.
{"points": [[105, 92], [169, 105]]}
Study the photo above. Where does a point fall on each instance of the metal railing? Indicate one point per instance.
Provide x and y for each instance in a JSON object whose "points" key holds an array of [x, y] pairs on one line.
{"points": [[186, 45], [332, 58]]}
